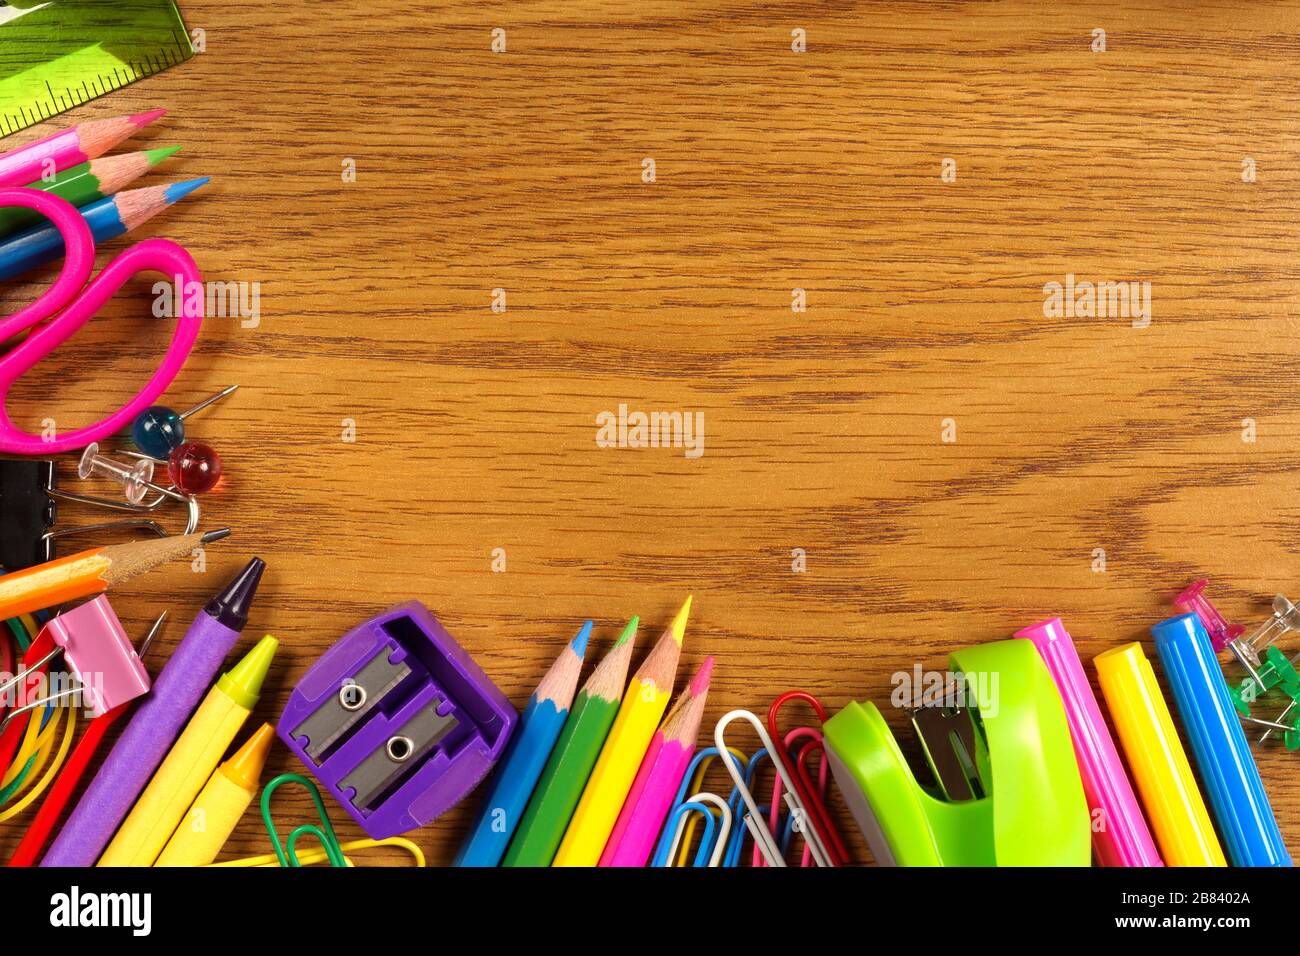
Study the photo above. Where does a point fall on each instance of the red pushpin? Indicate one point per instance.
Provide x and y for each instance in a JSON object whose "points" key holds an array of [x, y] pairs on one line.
{"points": [[194, 467]]}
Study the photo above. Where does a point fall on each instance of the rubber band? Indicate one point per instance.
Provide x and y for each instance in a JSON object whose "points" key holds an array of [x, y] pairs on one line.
{"points": [[7, 792], [19, 633], [13, 731], [30, 625], [38, 832], [25, 749], [40, 748], [36, 791]]}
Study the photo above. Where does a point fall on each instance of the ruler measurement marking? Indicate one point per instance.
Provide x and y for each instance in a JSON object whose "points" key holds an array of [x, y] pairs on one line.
{"points": [[75, 91]]}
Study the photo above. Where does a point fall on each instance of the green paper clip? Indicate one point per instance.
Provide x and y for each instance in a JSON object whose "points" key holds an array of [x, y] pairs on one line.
{"points": [[288, 855], [1029, 809]]}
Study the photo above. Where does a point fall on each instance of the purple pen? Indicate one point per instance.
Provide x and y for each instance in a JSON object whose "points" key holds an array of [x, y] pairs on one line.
{"points": [[156, 722]]}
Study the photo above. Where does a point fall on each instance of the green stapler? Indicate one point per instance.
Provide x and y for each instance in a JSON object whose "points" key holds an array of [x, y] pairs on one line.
{"points": [[1007, 790]]}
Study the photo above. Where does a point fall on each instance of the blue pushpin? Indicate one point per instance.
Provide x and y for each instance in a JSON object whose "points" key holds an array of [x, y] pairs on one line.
{"points": [[158, 429]]}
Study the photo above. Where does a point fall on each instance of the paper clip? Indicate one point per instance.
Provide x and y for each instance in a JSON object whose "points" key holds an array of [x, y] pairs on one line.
{"points": [[700, 803], [320, 854], [29, 496], [692, 784], [767, 844], [799, 767], [777, 822], [821, 820], [287, 855]]}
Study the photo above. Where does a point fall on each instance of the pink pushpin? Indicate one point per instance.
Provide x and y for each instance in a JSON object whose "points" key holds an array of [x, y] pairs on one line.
{"points": [[1194, 601]]}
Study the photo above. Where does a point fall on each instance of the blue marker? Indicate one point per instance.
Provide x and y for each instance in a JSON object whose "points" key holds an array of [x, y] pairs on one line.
{"points": [[1246, 822], [108, 218], [514, 778]]}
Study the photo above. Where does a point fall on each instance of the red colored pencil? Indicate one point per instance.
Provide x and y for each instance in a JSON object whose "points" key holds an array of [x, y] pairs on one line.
{"points": [[80, 144]]}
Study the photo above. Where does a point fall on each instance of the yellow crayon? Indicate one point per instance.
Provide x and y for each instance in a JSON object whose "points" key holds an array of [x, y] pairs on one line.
{"points": [[1173, 802], [191, 761], [620, 757], [220, 805]]}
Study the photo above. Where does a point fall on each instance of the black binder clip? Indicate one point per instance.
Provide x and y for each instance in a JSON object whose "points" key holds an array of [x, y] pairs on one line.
{"points": [[29, 498]]}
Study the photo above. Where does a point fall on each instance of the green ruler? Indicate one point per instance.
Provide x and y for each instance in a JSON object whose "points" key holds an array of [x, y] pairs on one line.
{"points": [[59, 54]]}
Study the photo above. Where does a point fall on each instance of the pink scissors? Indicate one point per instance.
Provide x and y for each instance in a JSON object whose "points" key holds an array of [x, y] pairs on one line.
{"points": [[68, 306]]}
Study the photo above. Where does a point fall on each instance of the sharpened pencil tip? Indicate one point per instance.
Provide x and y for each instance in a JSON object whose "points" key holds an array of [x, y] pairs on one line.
{"points": [[579, 643], [679, 622], [700, 683], [147, 117], [629, 632], [155, 156], [217, 535], [176, 191]]}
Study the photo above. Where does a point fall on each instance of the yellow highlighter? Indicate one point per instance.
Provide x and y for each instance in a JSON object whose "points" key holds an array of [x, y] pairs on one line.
{"points": [[220, 805], [1173, 802], [638, 718], [191, 761]]}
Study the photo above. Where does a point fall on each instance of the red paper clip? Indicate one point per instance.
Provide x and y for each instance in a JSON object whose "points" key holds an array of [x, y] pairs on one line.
{"points": [[820, 817]]}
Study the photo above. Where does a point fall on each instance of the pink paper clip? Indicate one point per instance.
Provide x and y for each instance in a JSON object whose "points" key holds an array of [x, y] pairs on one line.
{"points": [[100, 655], [1194, 601], [1120, 834]]}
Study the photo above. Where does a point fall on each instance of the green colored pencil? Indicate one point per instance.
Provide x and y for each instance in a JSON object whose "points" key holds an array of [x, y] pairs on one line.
{"points": [[86, 183], [566, 772]]}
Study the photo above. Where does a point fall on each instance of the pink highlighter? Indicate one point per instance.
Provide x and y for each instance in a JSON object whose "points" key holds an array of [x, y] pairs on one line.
{"points": [[1120, 835]]}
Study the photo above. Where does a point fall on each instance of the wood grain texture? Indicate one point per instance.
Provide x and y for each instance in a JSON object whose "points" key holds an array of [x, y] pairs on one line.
{"points": [[774, 170]]}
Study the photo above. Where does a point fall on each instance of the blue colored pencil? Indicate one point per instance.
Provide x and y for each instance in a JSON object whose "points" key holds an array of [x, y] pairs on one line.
{"points": [[516, 775], [107, 218]]}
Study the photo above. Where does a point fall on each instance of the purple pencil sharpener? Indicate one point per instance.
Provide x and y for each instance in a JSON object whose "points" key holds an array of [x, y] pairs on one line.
{"points": [[397, 721]]}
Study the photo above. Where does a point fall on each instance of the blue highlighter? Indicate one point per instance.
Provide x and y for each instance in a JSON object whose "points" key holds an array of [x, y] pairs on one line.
{"points": [[1241, 808]]}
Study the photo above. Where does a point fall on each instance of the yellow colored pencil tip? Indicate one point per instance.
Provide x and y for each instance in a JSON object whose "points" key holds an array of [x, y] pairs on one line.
{"points": [[679, 622]]}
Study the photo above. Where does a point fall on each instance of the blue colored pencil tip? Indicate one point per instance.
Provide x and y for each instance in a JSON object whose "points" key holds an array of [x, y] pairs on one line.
{"points": [[579, 643], [177, 191]]}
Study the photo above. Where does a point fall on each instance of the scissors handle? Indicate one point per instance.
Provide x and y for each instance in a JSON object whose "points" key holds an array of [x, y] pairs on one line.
{"points": [[151, 255]]}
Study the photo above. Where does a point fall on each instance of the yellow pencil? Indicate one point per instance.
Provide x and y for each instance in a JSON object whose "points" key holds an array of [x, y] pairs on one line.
{"points": [[611, 779]]}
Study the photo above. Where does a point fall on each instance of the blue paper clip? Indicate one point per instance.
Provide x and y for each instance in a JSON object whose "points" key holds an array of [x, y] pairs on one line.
{"points": [[1246, 821], [667, 848], [716, 830]]}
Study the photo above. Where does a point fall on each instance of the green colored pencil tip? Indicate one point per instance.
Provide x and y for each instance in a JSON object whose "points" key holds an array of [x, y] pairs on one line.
{"points": [[629, 632], [155, 156]]}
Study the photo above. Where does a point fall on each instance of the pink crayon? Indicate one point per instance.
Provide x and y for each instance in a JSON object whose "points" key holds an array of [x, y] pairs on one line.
{"points": [[656, 783], [80, 144]]}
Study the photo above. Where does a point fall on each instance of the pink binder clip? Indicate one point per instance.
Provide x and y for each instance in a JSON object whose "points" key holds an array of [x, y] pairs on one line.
{"points": [[1120, 835], [97, 650], [1194, 601]]}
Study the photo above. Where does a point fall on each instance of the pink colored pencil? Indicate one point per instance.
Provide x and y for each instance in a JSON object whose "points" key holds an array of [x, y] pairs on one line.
{"points": [[656, 783], [80, 144]]}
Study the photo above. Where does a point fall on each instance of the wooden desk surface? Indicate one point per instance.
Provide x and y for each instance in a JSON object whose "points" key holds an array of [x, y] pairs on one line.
{"points": [[476, 430]]}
